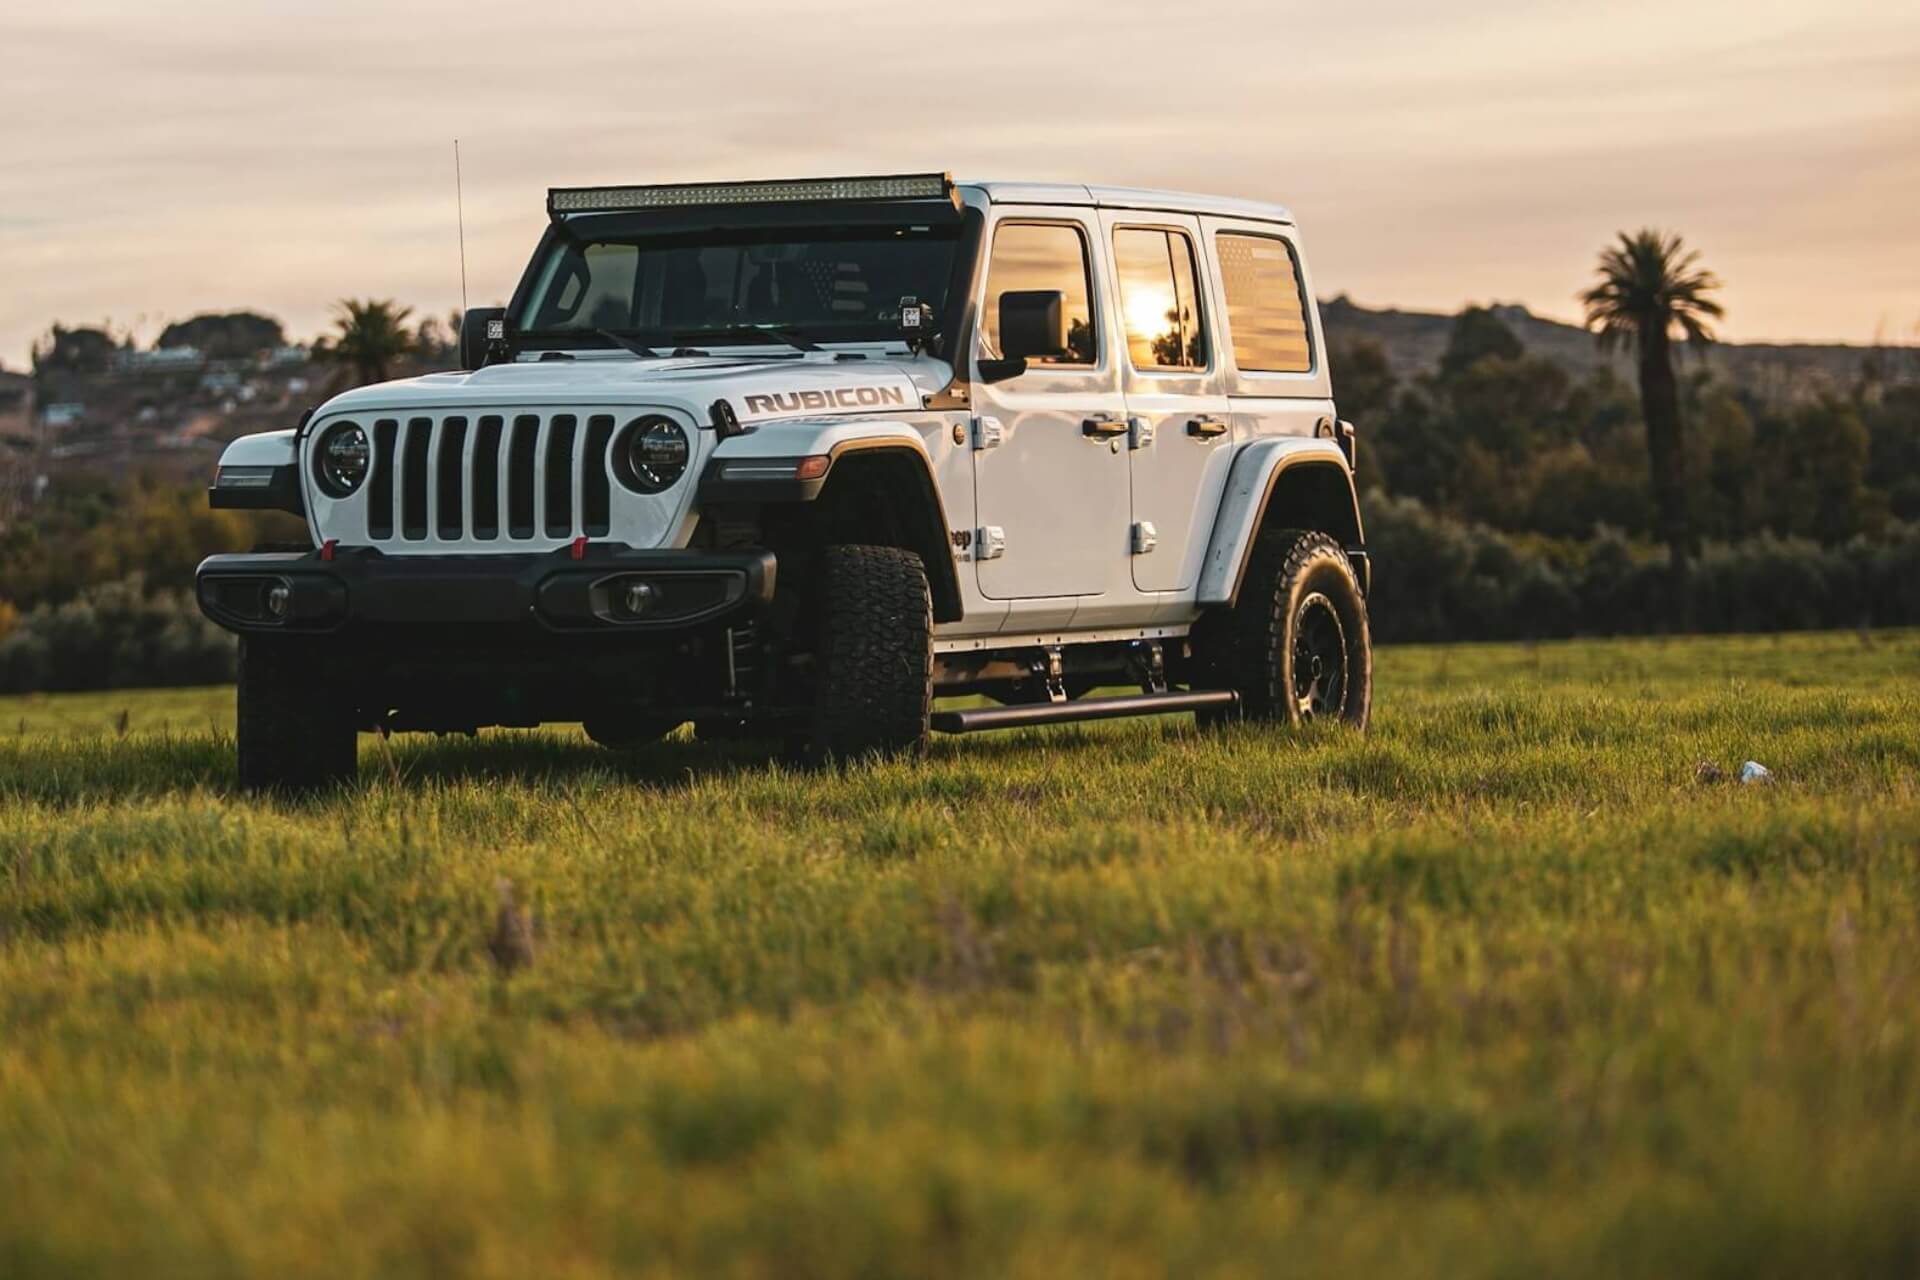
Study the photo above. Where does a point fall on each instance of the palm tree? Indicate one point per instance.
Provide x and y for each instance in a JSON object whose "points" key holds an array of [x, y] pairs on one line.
{"points": [[372, 334], [1651, 290]]}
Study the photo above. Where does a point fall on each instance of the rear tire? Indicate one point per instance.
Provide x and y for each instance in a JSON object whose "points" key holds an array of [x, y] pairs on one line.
{"points": [[873, 655], [293, 731], [1296, 646]]}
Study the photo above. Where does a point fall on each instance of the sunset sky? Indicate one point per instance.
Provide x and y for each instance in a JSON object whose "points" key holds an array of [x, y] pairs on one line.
{"points": [[162, 159]]}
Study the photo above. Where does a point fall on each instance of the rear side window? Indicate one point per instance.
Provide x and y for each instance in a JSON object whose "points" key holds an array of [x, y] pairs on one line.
{"points": [[1158, 298], [1034, 255], [1266, 307]]}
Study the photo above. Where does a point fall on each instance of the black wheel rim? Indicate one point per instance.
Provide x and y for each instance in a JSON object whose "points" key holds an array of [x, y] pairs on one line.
{"points": [[1319, 659]]}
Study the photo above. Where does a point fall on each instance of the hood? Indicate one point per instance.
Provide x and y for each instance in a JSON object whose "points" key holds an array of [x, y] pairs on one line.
{"points": [[759, 388]]}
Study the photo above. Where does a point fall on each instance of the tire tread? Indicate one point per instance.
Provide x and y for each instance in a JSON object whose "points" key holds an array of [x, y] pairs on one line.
{"points": [[875, 685]]}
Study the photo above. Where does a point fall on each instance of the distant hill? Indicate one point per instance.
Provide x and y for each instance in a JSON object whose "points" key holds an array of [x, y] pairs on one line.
{"points": [[1414, 341]]}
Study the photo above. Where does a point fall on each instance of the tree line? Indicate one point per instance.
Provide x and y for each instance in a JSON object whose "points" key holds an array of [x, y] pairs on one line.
{"points": [[1513, 441], [368, 341], [1504, 496]]}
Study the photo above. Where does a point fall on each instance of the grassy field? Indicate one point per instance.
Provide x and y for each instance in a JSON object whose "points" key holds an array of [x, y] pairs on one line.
{"points": [[1500, 989]]}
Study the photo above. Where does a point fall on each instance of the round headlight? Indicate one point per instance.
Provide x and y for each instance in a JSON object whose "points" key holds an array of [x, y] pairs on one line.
{"points": [[652, 455], [341, 461]]}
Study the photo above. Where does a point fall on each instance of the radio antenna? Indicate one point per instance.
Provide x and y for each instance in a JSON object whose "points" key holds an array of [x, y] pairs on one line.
{"points": [[460, 212]]}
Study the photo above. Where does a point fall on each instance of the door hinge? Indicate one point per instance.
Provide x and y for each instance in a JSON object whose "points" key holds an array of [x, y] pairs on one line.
{"points": [[989, 542], [987, 432], [1145, 537], [1139, 433]]}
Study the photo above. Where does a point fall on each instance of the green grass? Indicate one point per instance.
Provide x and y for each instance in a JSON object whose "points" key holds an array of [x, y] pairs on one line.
{"points": [[1498, 989]]}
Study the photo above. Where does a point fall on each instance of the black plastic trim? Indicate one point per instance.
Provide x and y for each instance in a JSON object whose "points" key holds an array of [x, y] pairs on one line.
{"points": [[281, 493], [1362, 568], [362, 586]]}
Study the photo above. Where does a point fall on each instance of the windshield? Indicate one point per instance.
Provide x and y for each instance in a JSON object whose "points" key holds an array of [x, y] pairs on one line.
{"points": [[828, 284]]}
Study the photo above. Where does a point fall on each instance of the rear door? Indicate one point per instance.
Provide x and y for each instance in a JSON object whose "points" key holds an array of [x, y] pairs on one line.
{"points": [[1181, 442]]}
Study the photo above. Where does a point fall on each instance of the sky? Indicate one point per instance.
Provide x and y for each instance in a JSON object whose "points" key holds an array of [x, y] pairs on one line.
{"points": [[157, 160]]}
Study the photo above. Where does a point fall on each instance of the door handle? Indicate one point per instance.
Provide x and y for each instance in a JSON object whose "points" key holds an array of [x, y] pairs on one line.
{"points": [[1103, 428], [1205, 428]]}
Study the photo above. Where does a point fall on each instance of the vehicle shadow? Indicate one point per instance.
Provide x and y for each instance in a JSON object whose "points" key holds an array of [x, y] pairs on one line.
{"points": [[553, 756], [62, 772], [69, 771]]}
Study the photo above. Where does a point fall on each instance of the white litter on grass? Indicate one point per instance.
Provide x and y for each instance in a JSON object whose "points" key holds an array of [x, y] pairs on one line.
{"points": [[1754, 771]]}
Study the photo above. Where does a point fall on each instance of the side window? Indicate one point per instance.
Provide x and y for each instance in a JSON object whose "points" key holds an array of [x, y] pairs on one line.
{"points": [[1033, 255], [1158, 298], [1266, 309]]}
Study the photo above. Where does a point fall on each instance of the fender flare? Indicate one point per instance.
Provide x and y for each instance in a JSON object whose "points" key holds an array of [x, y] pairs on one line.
{"points": [[778, 449], [276, 452], [1251, 484]]}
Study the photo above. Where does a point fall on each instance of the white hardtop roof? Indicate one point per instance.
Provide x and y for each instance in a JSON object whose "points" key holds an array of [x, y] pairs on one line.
{"points": [[1128, 198]]}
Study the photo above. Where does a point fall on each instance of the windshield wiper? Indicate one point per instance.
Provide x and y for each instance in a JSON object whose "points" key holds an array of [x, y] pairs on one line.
{"points": [[620, 340], [792, 337]]}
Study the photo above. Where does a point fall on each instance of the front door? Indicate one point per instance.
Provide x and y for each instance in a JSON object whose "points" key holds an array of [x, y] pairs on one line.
{"points": [[1051, 495], [1181, 437]]}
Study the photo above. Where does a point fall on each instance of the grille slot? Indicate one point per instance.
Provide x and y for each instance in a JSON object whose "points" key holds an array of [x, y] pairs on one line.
{"points": [[596, 493], [486, 478], [449, 493], [380, 485], [520, 457], [559, 477], [414, 478], [518, 477]]}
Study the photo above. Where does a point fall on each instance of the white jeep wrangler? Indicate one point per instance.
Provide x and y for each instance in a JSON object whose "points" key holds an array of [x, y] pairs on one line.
{"points": [[795, 458]]}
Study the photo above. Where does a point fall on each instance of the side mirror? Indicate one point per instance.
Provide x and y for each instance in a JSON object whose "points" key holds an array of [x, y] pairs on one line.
{"points": [[481, 331], [1032, 324]]}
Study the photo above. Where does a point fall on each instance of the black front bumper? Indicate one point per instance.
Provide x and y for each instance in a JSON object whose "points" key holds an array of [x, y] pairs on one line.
{"points": [[268, 592]]}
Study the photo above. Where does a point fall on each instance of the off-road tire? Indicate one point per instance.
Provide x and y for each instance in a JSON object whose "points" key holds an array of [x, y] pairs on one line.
{"points": [[873, 655], [294, 731], [1299, 586]]}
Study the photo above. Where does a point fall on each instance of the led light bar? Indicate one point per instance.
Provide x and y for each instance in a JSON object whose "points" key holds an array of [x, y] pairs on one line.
{"points": [[906, 186]]}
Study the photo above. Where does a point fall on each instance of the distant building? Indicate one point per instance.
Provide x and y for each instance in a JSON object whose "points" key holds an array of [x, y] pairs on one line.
{"points": [[164, 360]]}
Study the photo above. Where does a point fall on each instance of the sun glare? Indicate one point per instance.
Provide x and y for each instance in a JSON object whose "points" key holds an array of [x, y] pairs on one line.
{"points": [[1149, 312]]}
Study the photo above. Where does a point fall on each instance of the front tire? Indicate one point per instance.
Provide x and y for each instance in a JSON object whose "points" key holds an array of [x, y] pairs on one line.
{"points": [[293, 732], [1296, 646], [873, 655]]}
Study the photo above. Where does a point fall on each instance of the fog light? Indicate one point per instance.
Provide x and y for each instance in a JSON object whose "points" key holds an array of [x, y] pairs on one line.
{"points": [[638, 597], [278, 600]]}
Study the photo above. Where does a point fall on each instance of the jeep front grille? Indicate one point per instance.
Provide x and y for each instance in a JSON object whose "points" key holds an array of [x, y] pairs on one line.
{"points": [[490, 477]]}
